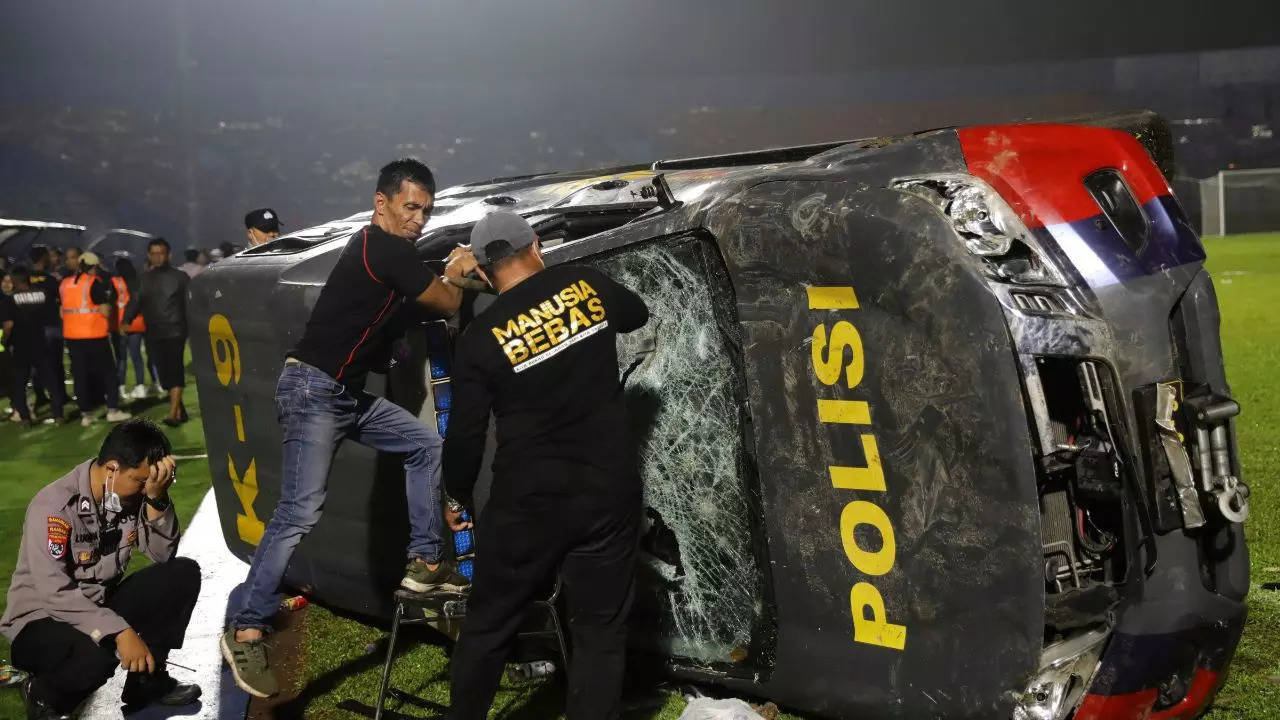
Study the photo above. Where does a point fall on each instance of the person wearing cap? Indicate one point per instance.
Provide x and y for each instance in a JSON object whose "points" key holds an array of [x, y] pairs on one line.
{"points": [[86, 326], [321, 402], [261, 226], [565, 495], [72, 615], [161, 302]]}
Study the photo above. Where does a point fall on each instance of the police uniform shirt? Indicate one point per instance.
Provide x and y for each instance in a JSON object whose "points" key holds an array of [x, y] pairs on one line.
{"points": [[543, 358], [72, 553]]}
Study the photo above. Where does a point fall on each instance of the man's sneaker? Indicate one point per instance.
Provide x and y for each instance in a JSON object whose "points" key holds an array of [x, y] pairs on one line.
{"points": [[249, 668], [124, 392], [142, 689], [139, 392], [420, 579], [118, 415], [86, 420]]}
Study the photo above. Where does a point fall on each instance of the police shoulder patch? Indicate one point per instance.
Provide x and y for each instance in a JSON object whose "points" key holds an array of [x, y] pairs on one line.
{"points": [[59, 531]]}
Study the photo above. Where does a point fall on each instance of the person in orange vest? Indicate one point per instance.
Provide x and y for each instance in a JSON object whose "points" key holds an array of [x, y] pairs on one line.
{"points": [[129, 339], [86, 327]]}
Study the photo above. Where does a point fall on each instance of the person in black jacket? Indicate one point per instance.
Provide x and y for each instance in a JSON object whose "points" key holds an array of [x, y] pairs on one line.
{"points": [[22, 318], [542, 359], [48, 381], [161, 299]]}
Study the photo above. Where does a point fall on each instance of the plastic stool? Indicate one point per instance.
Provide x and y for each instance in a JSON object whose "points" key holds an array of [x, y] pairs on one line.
{"points": [[441, 607]]}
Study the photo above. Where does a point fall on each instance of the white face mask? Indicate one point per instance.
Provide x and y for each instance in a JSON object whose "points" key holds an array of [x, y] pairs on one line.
{"points": [[111, 499]]}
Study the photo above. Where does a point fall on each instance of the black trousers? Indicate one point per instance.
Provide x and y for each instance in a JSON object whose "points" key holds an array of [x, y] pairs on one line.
{"points": [[29, 362], [520, 543], [52, 350], [67, 665], [166, 355], [93, 370]]}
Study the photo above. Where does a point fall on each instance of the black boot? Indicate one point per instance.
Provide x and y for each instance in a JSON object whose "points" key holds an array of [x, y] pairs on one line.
{"points": [[143, 689], [38, 709]]}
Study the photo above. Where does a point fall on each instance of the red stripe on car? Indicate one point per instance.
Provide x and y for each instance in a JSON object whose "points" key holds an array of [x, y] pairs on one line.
{"points": [[1039, 169]]}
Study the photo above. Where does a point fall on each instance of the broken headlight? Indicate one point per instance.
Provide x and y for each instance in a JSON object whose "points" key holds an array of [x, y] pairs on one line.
{"points": [[989, 228], [1066, 671]]}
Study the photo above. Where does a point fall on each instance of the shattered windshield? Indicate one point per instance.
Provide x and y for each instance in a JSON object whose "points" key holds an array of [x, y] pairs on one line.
{"points": [[699, 574]]}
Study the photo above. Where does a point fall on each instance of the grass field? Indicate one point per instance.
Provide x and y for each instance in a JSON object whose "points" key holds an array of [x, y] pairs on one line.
{"points": [[1246, 272], [337, 668]]}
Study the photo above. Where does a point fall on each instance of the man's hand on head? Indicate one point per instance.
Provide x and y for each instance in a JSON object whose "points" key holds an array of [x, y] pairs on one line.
{"points": [[160, 476]]}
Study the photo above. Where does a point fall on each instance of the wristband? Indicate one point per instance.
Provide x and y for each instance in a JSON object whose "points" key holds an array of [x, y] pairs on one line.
{"points": [[162, 504]]}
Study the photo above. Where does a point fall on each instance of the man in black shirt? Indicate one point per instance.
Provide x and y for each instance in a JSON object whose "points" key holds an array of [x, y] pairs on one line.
{"points": [[49, 350], [22, 317], [542, 358], [321, 401]]}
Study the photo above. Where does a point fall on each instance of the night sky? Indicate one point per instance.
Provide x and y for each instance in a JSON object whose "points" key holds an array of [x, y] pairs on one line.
{"points": [[177, 116]]}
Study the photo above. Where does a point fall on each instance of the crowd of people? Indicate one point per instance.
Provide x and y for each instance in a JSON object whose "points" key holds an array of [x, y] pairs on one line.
{"points": [[65, 304]]}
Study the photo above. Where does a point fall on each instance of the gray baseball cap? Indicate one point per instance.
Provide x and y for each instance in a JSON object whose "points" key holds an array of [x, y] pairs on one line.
{"points": [[499, 234]]}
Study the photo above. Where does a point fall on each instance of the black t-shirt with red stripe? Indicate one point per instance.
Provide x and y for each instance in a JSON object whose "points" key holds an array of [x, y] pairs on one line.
{"points": [[375, 273]]}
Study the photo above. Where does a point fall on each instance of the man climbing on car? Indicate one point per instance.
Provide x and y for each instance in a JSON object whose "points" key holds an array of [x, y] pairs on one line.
{"points": [[320, 401]]}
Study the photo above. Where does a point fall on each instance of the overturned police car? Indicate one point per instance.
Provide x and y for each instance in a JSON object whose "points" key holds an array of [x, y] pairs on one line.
{"points": [[931, 426]]}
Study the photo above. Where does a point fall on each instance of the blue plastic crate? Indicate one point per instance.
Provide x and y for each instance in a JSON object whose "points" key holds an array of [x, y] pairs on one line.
{"points": [[437, 336], [463, 544], [443, 393], [440, 365], [467, 567], [442, 423]]}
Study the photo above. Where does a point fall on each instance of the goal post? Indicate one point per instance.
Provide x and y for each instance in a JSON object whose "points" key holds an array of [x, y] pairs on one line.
{"points": [[1240, 201]]}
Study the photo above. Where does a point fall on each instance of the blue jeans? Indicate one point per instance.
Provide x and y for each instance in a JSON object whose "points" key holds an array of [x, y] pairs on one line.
{"points": [[317, 413], [129, 347]]}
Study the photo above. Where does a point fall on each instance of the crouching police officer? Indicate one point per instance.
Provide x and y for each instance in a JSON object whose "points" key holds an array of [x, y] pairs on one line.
{"points": [[72, 618]]}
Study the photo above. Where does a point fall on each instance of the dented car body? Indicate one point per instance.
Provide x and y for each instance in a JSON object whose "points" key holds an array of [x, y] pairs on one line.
{"points": [[930, 426]]}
